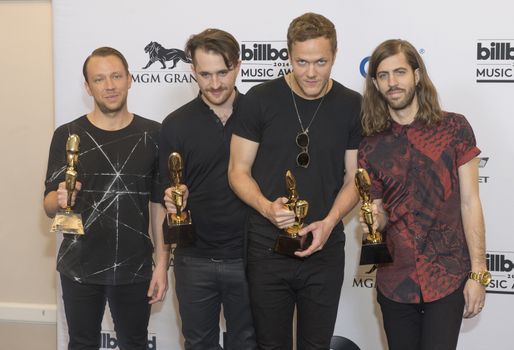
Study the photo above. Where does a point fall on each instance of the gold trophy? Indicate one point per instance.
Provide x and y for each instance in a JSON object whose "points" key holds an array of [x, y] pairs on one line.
{"points": [[177, 227], [66, 221], [289, 241], [374, 249]]}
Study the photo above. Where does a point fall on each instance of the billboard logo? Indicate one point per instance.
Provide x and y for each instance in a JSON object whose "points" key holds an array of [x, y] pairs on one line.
{"points": [[501, 266], [264, 60], [495, 61], [109, 341]]}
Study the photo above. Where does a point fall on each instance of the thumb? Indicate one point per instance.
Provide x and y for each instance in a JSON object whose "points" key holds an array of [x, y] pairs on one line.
{"points": [[78, 185]]}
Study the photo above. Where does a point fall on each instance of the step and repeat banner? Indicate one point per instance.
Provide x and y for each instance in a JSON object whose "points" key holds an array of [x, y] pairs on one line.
{"points": [[469, 52]]}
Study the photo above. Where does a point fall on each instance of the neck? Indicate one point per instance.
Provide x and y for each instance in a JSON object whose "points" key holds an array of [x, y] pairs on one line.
{"points": [[224, 110], [110, 121]]}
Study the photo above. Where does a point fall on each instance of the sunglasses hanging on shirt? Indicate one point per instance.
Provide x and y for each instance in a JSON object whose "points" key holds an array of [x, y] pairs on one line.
{"points": [[302, 139]]}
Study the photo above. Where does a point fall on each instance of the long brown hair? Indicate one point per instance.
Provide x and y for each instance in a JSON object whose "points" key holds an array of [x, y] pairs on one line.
{"points": [[375, 113]]}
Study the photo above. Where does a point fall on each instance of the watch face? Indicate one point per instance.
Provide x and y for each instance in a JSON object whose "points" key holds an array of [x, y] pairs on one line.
{"points": [[486, 278]]}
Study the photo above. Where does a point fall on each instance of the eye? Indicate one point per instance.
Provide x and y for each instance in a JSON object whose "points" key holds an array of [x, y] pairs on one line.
{"points": [[382, 76], [116, 76], [205, 75], [98, 80], [222, 73], [322, 62], [301, 62]]}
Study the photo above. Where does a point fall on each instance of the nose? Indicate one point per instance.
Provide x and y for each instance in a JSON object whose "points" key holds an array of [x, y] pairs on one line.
{"points": [[311, 70], [215, 81], [392, 81], [109, 84]]}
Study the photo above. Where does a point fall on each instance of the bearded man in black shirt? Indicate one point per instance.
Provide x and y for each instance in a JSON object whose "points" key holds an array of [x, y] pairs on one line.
{"points": [[308, 123], [209, 273], [117, 179]]}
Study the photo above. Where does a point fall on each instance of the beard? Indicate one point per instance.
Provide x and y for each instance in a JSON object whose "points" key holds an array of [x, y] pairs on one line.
{"points": [[400, 104], [114, 109]]}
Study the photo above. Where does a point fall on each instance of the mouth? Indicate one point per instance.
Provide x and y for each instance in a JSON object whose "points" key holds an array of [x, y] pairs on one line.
{"points": [[216, 92], [394, 92], [112, 97], [311, 82]]}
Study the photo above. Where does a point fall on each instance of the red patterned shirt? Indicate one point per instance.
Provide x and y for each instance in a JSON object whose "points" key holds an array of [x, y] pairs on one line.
{"points": [[414, 170]]}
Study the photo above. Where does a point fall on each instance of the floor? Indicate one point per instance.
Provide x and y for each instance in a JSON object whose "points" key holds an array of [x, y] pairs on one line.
{"points": [[27, 336]]}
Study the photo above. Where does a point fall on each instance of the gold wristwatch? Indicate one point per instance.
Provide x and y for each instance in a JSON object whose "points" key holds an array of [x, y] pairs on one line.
{"points": [[482, 277]]}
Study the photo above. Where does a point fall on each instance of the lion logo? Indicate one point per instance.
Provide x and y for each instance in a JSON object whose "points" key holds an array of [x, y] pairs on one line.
{"points": [[158, 53]]}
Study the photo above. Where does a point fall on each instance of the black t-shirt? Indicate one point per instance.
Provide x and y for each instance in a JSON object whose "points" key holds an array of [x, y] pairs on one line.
{"points": [[268, 117], [218, 215], [119, 175]]}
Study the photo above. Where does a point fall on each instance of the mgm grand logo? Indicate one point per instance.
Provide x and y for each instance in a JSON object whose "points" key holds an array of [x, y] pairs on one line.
{"points": [[165, 59]]}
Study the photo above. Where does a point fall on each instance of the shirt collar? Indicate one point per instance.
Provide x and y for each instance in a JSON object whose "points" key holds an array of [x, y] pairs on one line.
{"points": [[397, 129]]}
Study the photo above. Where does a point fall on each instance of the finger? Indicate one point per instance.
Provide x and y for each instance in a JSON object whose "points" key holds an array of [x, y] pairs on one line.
{"points": [[151, 289], [78, 186], [307, 252]]}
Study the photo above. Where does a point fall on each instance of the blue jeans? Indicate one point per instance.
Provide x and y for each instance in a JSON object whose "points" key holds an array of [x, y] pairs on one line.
{"points": [[202, 286], [84, 305]]}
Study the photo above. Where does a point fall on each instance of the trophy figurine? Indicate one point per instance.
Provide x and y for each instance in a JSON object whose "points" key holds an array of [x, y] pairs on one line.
{"points": [[177, 227], [289, 241], [374, 249], [66, 221]]}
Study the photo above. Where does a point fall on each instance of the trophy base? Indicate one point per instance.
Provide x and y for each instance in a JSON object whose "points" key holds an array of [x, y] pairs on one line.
{"points": [[375, 253], [67, 223], [180, 231], [288, 244]]}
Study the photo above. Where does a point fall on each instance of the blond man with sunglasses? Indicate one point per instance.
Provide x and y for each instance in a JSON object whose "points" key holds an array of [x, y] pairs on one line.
{"points": [[309, 124]]}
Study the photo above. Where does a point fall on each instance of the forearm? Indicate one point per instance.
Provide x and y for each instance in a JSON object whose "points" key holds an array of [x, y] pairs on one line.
{"points": [[472, 217], [474, 230], [247, 189], [50, 204], [345, 201], [348, 195], [162, 251]]}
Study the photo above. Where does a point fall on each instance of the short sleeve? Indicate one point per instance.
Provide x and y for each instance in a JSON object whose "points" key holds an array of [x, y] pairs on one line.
{"points": [[465, 142], [56, 167], [355, 135], [249, 121]]}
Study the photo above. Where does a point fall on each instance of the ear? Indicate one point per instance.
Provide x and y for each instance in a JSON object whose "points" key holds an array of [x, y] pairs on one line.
{"points": [[86, 85], [237, 67], [129, 77], [416, 76], [193, 70]]}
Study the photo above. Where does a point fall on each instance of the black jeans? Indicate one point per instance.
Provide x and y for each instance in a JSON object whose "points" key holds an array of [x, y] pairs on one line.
{"points": [[84, 305], [423, 326], [279, 283], [202, 286]]}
